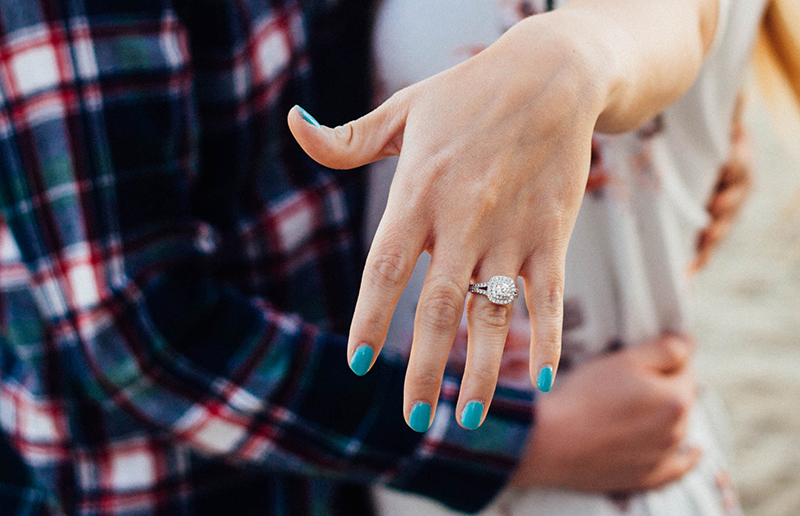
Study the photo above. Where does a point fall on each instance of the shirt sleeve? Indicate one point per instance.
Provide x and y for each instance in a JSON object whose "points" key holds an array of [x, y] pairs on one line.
{"points": [[96, 189], [234, 378]]}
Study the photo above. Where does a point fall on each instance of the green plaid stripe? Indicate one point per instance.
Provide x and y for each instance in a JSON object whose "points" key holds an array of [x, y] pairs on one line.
{"points": [[176, 276]]}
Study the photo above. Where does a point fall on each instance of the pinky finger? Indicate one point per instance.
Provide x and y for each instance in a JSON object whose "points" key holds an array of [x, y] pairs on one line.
{"points": [[544, 296]]}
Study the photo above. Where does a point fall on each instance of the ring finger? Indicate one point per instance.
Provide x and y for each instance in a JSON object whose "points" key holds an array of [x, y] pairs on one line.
{"points": [[488, 324]]}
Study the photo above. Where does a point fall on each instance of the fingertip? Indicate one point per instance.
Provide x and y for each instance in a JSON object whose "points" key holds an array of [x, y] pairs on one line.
{"points": [[677, 350], [420, 417], [544, 378], [311, 136], [688, 340], [472, 415], [307, 117], [544, 359], [361, 361]]}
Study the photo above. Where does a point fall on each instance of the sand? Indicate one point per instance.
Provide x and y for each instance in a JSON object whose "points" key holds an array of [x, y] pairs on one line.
{"points": [[747, 322]]}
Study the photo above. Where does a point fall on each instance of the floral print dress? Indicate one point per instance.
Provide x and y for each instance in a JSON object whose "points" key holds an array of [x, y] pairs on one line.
{"points": [[627, 277]]}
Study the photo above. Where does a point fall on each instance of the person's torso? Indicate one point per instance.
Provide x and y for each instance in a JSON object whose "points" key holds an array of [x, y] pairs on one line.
{"points": [[144, 102], [627, 266]]}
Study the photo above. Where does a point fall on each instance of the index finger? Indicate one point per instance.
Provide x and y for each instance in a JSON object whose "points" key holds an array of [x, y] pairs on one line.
{"points": [[394, 252]]}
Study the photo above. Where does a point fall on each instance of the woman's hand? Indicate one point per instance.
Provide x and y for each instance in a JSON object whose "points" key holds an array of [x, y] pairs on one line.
{"points": [[616, 424], [495, 156], [733, 186]]}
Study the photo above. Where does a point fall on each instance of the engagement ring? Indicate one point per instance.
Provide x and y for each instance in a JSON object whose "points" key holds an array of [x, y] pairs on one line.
{"points": [[501, 290]]}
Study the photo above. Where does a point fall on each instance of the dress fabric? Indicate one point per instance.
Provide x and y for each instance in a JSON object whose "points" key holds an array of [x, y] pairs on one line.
{"points": [[177, 277], [627, 271]]}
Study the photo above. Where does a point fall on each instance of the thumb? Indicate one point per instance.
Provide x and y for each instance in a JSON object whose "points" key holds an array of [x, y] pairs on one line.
{"points": [[374, 136], [667, 354]]}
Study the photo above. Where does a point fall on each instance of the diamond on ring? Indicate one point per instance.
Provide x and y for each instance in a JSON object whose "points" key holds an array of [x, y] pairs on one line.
{"points": [[501, 290]]}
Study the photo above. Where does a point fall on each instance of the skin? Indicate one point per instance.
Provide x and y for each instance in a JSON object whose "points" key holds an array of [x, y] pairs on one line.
{"points": [[731, 191], [616, 424], [494, 157], [622, 435]]}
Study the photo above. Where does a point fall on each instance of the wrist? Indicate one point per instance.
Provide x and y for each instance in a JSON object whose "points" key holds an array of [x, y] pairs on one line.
{"points": [[649, 52], [597, 52]]}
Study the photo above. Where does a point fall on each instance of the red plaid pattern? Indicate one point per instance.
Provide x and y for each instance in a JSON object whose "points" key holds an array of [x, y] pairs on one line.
{"points": [[176, 276]]}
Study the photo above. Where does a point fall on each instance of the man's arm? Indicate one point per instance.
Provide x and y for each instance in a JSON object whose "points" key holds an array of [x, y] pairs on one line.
{"points": [[97, 185]]}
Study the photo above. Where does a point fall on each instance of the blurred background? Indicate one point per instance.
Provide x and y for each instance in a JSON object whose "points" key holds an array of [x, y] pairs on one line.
{"points": [[747, 323]]}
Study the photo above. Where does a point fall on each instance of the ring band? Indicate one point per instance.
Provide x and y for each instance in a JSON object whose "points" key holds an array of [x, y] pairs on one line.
{"points": [[501, 290]]}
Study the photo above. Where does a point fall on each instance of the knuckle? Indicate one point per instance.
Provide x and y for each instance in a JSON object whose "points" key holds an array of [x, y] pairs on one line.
{"points": [[410, 197], [345, 133], [426, 380], [551, 296], [482, 375], [441, 308], [442, 158], [486, 204], [549, 307], [490, 315], [389, 267], [675, 351]]}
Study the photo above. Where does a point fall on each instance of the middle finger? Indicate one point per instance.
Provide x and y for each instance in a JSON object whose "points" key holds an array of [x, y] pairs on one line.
{"points": [[441, 305]]}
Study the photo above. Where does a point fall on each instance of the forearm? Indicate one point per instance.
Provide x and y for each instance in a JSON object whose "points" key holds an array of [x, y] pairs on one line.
{"points": [[642, 54]]}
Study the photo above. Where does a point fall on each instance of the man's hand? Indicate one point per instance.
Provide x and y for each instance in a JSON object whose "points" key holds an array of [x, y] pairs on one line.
{"points": [[616, 424]]}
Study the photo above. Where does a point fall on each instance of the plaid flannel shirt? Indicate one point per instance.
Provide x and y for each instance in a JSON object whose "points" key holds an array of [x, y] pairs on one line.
{"points": [[176, 276]]}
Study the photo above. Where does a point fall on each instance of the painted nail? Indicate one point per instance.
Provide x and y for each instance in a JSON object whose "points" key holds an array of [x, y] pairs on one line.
{"points": [[471, 417], [420, 418], [545, 379], [361, 360], [308, 118]]}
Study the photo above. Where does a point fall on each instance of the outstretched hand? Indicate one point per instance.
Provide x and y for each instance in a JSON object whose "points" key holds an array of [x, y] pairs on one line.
{"points": [[494, 156]]}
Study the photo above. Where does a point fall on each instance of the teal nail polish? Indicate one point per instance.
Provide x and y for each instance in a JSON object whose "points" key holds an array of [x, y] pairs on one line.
{"points": [[471, 417], [545, 379], [308, 118], [361, 360], [420, 418]]}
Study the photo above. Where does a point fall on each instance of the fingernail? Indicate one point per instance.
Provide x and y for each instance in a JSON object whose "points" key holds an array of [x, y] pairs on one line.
{"points": [[420, 418], [308, 118], [361, 360], [545, 379], [471, 417]]}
